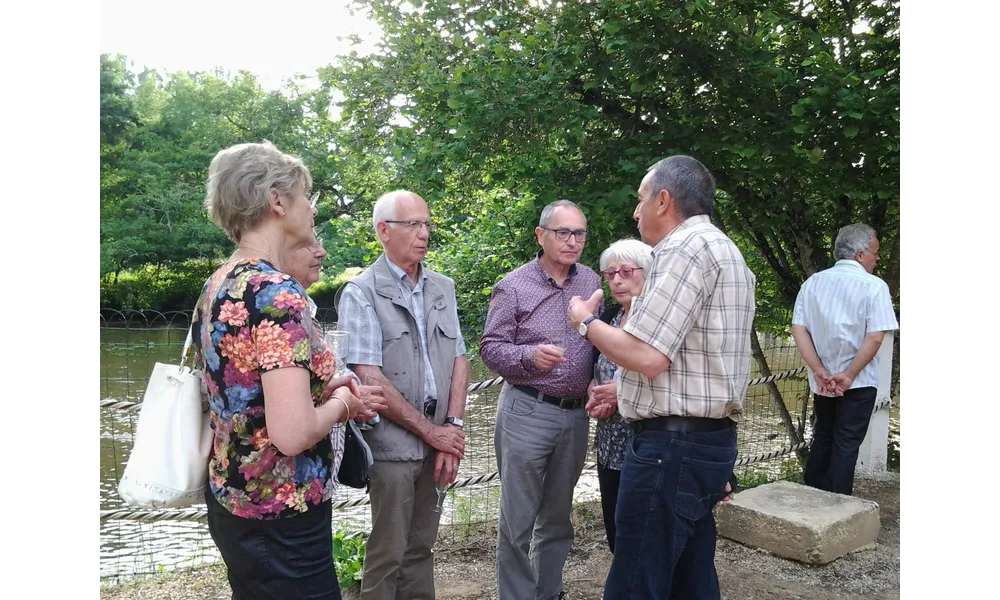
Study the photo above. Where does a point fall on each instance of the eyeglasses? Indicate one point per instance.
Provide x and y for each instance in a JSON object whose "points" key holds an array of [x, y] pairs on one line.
{"points": [[563, 234], [623, 272], [413, 224], [313, 200]]}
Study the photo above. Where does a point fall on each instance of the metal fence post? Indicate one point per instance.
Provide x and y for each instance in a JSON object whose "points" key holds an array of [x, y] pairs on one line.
{"points": [[873, 454]]}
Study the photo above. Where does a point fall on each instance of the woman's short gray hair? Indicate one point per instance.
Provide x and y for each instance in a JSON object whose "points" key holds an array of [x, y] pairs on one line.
{"points": [[240, 179], [851, 239], [631, 250]]}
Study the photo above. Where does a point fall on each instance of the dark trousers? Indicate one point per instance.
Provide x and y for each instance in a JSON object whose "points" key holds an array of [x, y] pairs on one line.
{"points": [[276, 559], [665, 538], [841, 425], [609, 480]]}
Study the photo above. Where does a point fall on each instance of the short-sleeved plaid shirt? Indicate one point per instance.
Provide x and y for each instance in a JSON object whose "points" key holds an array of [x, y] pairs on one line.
{"points": [[697, 308]]}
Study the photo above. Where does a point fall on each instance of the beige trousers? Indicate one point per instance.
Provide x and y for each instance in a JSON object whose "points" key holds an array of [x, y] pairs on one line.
{"points": [[399, 564]]}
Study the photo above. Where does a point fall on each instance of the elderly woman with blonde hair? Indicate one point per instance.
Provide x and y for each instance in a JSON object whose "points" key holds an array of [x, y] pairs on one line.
{"points": [[272, 395]]}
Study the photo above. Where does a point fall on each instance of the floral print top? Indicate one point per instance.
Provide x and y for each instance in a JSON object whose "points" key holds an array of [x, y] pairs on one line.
{"points": [[251, 319], [612, 433]]}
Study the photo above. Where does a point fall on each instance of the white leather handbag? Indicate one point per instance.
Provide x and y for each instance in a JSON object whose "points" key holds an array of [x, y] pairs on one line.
{"points": [[168, 465]]}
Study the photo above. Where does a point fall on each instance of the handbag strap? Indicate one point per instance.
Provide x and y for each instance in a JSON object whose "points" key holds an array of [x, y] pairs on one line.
{"points": [[187, 344], [189, 340]]}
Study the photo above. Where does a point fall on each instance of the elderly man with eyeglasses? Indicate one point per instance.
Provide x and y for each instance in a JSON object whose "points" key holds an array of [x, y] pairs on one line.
{"points": [[542, 427], [406, 338]]}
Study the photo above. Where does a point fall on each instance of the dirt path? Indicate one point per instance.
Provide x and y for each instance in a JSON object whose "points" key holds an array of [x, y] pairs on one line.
{"points": [[467, 570]]}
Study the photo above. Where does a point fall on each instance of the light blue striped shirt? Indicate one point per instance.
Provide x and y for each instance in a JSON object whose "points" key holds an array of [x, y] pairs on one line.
{"points": [[358, 316], [839, 306]]}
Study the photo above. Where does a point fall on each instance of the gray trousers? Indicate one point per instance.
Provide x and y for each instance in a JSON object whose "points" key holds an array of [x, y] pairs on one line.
{"points": [[399, 564], [540, 452]]}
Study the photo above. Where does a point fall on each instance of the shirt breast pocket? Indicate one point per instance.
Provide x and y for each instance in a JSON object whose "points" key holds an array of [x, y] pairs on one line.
{"points": [[447, 328]]}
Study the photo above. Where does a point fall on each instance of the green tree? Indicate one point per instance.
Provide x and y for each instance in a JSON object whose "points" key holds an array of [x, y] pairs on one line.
{"points": [[159, 132], [504, 105], [794, 109]]}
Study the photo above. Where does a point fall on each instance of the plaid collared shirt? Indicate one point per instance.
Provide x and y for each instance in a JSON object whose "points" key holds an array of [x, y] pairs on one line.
{"points": [[697, 308]]}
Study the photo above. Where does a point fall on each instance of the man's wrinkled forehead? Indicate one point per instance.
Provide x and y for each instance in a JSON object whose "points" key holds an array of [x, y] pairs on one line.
{"points": [[411, 206], [568, 217]]}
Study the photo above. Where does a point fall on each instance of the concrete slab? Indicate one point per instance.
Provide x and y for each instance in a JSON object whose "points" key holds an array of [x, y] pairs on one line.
{"points": [[799, 522]]}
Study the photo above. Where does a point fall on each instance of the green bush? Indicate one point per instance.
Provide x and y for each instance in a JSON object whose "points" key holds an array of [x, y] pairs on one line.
{"points": [[892, 448], [349, 558], [790, 470], [177, 287], [155, 287], [324, 291]]}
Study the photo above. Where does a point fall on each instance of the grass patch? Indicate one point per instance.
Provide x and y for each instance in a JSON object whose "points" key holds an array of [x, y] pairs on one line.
{"points": [[789, 470]]}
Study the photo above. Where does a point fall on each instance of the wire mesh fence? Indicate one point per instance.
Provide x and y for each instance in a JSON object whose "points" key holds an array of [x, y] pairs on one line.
{"points": [[133, 341]]}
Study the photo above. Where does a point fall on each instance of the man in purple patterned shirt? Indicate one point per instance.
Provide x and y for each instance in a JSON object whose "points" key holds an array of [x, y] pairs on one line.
{"points": [[542, 428]]}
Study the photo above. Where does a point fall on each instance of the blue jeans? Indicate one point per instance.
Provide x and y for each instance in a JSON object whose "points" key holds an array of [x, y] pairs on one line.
{"points": [[665, 538]]}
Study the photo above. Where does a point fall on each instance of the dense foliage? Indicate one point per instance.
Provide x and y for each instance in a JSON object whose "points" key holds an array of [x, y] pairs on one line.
{"points": [[492, 108]]}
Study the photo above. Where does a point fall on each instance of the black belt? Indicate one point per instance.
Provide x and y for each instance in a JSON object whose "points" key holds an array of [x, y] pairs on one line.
{"points": [[689, 424], [563, 403]]}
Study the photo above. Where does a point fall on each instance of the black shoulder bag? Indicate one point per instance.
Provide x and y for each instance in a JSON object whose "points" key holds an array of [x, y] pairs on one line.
{"points": [[357, 458]]}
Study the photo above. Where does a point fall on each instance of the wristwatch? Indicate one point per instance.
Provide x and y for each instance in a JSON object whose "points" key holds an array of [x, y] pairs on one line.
{"points": [[582, 329], [455, 421]]}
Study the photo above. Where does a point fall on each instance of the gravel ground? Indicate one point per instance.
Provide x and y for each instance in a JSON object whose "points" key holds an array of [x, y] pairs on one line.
{"points": [[467, 570]]}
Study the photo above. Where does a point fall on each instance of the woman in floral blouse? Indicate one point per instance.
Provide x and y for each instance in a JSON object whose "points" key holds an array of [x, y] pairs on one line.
{"points": [[623, 266], [272, 395]]}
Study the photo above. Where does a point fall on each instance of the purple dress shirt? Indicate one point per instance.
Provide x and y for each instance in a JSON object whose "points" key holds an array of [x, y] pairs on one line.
{"points": [[528, 308]]}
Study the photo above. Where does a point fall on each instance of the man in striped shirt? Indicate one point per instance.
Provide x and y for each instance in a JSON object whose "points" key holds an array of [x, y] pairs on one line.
{"points": [[405, 338], [684, 367], [840, 317]]}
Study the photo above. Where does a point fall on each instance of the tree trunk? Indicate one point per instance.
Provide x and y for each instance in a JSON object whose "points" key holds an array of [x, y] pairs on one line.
{"points": [[803, 416], [772, 389], [803, 241]]}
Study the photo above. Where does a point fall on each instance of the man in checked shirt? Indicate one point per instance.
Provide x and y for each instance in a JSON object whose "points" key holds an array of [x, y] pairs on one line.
{"points": [[542, 427], [684, 361]]}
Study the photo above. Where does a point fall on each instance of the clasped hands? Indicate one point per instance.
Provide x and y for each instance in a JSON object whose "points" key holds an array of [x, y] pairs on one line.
{"points": [[602, 399], [363, 401], [832, 385]]}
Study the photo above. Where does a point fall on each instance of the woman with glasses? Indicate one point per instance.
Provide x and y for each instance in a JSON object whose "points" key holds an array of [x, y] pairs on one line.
{"points": [[623, 266], [304, 265]]}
